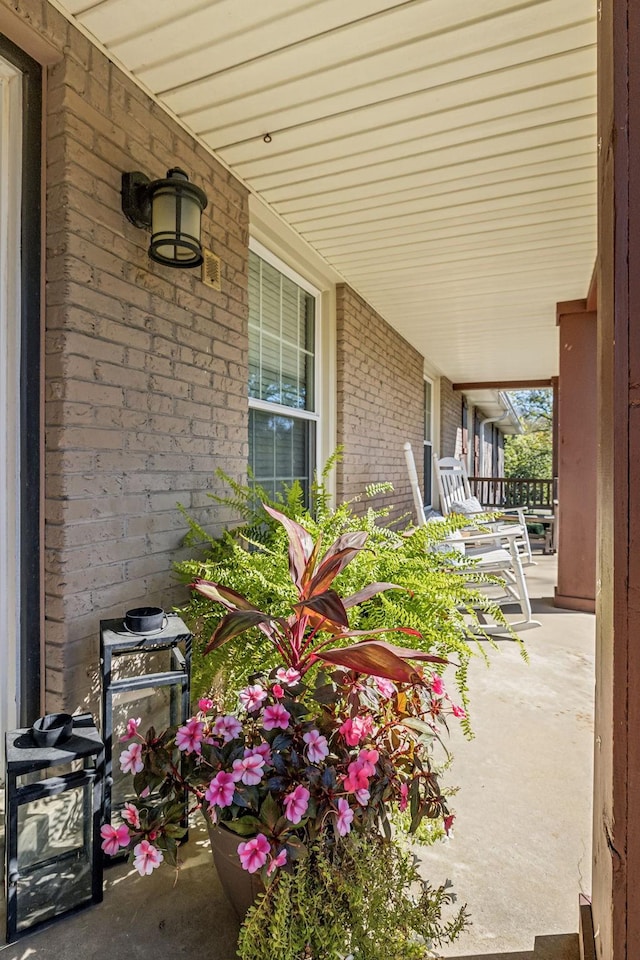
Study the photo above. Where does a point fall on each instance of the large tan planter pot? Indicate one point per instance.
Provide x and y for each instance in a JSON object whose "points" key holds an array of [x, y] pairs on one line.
{"points": [[241, 888]]}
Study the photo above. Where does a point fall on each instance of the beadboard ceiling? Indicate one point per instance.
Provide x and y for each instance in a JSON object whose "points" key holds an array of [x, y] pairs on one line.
{"points": [[439, 154]]}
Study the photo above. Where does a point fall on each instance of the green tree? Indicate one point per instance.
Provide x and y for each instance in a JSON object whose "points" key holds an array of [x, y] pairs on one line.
{"points": [[530, 454]]}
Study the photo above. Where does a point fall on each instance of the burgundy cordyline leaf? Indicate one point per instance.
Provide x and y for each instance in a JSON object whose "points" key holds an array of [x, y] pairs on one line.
{"points": [[328, 571], [300, 544], [311, 565], [347, 541], [409, 654], [373, 658], [367, 592], [224, 595], [235, 623], [328, 605], [370, 633]]}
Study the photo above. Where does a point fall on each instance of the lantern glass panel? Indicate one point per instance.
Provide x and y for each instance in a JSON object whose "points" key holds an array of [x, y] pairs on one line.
{"points": [[157, 707], [55, 770], [163, 212], [191, 213], [55, 855]]}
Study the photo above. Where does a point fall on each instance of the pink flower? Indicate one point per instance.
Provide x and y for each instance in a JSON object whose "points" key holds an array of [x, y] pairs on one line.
{"points": [[437, 685], [146, 857], [367, 760], [249, 770], [356, 729], [296, 804], [227, 727], [404, 797], [457, 711], [189, 737], [275, 716], [131, 814], [131, 759], [114, 837], [276, 862], [132, 729], [344, 818], [386, 688], [288, 676], [363, 797], [262, 750], [277, 691], [253, 854], [358, 773], [251, 697], [221, 789], [356, 778], [204, 704], [317, 747]]}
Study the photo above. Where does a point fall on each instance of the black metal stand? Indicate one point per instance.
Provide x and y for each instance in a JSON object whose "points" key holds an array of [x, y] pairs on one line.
{"points": [[34, 879], [116, 645]]}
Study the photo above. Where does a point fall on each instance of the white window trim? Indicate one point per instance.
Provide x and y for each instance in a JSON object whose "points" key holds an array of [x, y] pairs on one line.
{"points": [[275, 236], [318, 400], [10, 305], [279, 408]]}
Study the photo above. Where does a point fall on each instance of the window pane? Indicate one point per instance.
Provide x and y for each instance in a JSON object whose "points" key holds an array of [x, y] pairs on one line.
{"points": [[254, 290], [427, 410], [290, 308], [308, 320], [281, 450], [270, 301], [281, 338], [307, 382], [270, 379], [254, 366], [291, 393]]}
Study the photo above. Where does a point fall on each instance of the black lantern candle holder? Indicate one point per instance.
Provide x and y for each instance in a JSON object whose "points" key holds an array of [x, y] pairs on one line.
{"points": [[53, 804], [145, 675]]}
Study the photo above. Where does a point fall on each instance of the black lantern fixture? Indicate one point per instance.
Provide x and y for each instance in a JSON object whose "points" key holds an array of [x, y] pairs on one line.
{"points": [[146, 667], [172, 210], [53, 812]]}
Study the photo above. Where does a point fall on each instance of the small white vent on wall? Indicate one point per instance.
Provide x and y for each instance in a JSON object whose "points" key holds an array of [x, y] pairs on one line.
{"points": [[211, 270]]}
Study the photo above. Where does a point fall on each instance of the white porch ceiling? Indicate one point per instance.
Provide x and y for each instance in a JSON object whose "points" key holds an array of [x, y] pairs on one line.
{"points": [[440, 154]]}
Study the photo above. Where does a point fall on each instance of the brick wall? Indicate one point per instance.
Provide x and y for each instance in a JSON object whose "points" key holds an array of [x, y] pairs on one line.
{"points": [[380, 391], [450, 420], [145, 367]]}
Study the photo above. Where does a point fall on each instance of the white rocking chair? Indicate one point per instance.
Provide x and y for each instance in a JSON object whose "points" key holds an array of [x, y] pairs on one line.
{"points": [[456, 497], [494, 552]]}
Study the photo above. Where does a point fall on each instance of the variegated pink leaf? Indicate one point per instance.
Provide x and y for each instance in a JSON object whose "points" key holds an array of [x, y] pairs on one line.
{"points": [[367, 592], [328, 606], [300, 544], [373, 658], [219, 594], [235, 623]]}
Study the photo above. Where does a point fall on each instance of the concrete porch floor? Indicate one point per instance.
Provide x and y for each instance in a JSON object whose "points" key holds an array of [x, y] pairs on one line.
{"points": [[521, 851]]}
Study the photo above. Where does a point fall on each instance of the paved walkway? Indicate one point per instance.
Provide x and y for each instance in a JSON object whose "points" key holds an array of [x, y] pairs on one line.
{"points": [[521, 851]]}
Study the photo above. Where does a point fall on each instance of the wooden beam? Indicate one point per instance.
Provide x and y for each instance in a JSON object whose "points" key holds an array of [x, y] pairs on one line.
{"points": [[570, 308], [504, 385]]}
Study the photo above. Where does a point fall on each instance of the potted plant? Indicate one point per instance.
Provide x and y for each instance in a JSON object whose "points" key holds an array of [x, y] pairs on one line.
{"points": [[310, 775]]}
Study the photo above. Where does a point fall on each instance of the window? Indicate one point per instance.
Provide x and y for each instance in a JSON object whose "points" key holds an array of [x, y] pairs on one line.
{"points": [[282, 376], [428, 443]]}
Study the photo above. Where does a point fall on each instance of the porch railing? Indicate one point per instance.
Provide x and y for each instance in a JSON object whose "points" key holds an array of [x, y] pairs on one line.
{"points": [[514, 492]]}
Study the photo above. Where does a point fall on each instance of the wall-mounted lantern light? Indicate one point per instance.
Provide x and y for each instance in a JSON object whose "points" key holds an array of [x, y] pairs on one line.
{"points": [[172, 210]]}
